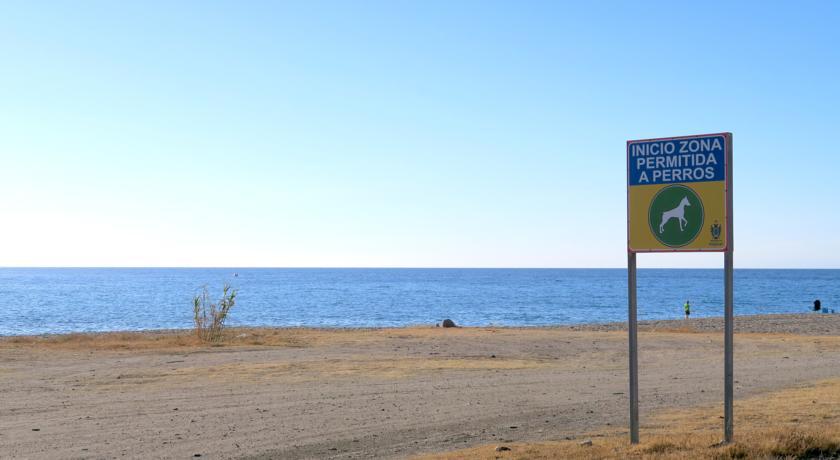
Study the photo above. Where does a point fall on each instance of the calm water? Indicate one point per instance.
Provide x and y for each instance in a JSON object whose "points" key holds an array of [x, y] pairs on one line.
{"points": [[64, 300]]}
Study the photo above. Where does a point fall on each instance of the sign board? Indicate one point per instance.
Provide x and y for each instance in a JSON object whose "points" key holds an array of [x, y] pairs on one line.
{"points": [[676, 193], [679, 198]]}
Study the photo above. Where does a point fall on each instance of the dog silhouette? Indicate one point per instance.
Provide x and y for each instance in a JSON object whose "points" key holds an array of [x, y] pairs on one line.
{"points": [[678, 213]]}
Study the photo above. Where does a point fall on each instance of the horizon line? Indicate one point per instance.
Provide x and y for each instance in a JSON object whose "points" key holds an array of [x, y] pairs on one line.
{"points": [[266, 267]]}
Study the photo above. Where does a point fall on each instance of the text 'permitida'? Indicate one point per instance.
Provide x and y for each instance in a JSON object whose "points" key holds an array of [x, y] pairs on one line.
{"points": [[676, 160]]}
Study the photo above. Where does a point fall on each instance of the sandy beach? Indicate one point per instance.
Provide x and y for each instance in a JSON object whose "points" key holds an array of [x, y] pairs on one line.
{"points": [[394, 393]]}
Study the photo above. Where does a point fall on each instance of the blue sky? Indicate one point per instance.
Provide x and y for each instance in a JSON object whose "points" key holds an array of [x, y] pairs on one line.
{"points": [[430, 134]]}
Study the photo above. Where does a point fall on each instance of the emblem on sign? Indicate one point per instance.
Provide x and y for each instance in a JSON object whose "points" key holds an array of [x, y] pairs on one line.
{"points": [[715, 230]]}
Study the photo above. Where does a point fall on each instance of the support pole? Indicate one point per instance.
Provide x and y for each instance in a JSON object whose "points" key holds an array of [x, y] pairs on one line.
{"points": [[729, 322], [634, 348], [728, 391]]}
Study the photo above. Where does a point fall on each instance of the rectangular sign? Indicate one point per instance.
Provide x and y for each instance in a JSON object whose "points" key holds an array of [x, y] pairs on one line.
{"points": [[676, 193]]}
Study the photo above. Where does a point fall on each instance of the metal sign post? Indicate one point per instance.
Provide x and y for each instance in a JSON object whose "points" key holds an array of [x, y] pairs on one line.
{"points": [[634, 349], [679, 199], [729, 322]]}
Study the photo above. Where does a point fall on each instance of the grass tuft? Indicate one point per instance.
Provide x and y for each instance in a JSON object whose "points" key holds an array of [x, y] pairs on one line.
{"points": [[209, 317], [660, 447], [801, 444]]}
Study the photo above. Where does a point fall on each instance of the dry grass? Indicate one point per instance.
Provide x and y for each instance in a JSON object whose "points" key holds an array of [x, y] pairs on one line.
{"points": [[269, 337], [233, 337], [796, 423], [313, 337], [103, 341], [153, 340]]}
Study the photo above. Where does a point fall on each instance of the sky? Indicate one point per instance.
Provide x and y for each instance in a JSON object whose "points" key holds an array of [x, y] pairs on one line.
{"points": [[403, 133]]}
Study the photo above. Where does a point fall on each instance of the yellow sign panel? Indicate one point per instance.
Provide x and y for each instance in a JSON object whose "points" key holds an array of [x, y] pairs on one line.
{"points": [[677, 193]]}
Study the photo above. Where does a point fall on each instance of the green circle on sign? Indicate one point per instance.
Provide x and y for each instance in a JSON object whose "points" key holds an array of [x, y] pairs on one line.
{"points": [[675, 216]]}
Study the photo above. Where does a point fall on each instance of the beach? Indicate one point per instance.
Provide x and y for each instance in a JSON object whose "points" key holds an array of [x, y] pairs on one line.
{"points": [[392, 393]]}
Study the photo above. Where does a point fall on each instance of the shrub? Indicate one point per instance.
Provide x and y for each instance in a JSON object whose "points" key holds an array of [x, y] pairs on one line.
{"points": [[210, 317]]}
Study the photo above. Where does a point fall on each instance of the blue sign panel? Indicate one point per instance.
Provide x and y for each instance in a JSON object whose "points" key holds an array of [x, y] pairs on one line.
{"points": [[663, 161]]}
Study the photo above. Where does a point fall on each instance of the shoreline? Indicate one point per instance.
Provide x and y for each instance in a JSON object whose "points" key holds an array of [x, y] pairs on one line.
{"points": [[773, 323], [795, 323]]}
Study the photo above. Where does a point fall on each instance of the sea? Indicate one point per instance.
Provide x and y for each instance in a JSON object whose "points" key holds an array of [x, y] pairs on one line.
{"points": [[63, 300]]}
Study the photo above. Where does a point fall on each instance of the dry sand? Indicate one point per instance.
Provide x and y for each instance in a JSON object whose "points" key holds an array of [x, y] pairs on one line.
{"points": [[792, 423], [304, 393]]}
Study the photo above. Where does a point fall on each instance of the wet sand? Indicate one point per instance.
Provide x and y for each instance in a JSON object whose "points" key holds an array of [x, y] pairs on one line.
{"points": [[307, 393]]}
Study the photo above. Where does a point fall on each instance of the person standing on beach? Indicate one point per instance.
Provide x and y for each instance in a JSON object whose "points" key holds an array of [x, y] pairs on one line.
{"points": [[687, 308]]}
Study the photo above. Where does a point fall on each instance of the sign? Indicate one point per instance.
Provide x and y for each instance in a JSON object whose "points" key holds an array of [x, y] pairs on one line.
{"points": [[679, 198], [676, 193]]}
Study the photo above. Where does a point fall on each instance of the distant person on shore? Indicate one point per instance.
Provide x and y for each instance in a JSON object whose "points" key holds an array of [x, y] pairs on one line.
{"points": [[687, 308], [817, 305]]}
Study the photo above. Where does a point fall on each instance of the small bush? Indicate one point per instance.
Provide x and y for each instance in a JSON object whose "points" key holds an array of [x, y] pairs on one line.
{"points": [[801, 444], [736, 451], [661, 447], [210, 317]]}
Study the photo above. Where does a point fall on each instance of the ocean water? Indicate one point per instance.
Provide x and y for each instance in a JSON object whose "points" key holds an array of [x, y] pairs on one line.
{"points": [[56, 300]]}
